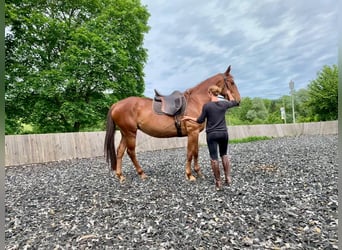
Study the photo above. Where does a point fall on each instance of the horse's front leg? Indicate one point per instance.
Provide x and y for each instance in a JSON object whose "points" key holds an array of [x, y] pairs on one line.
{"points": [[188, 174], [196, 165], [192, 154]]}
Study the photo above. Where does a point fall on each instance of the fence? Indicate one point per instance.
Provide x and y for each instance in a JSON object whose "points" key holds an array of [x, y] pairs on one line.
{"points": [[39, 148]]}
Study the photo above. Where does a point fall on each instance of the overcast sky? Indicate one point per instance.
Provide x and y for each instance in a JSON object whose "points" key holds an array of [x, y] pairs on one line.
{"points": [[268, 43]]}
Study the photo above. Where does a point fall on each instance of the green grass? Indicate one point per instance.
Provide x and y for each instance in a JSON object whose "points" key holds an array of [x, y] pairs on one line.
{"points": [[250, 139], [27, 128]]}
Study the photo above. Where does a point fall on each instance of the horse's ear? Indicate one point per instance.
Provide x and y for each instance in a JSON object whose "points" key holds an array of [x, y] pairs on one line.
{"points": [[228, 70]]}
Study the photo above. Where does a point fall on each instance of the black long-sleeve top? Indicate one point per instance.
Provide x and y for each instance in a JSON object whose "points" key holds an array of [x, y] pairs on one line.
{"points": [[214, 112]]}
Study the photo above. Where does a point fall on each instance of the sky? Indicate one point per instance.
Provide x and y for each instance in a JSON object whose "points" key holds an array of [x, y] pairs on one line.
{"points": [[268, 43]]}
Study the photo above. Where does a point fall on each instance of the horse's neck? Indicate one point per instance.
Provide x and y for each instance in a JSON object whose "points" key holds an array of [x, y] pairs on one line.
{"points": [[198, 96]]}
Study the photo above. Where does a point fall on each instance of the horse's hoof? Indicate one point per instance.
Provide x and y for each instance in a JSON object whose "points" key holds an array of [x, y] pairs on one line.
{"points": [[200, 175], [122, 179], [143, 176], [192, 178]]}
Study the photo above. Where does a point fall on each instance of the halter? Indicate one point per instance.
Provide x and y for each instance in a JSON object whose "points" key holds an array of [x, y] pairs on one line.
{"points": [[225, 82]]}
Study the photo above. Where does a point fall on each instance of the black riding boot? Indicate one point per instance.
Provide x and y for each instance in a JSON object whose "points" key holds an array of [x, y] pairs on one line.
{"points": [[216, 170], [226, 168]]}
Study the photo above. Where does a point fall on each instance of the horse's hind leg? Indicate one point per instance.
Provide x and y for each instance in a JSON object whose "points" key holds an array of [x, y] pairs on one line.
{"points": [[131, 143], [197, 168], [120, 153]]}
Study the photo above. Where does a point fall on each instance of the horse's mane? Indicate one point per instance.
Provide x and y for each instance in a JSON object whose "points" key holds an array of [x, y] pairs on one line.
{"points": [[206, 83]]}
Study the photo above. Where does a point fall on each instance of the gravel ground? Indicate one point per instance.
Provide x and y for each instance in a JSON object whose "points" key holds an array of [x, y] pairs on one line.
{"points": [[283, 196]]}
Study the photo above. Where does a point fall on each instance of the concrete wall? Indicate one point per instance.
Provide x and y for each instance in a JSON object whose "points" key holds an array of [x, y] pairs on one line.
{"points": [[39, 148]]}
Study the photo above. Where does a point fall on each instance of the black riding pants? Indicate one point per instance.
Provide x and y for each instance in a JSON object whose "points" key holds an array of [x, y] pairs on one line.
{"points": [[217, 140]]}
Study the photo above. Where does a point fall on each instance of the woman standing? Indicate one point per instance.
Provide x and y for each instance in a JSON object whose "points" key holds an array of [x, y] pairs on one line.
{"points": [[216, 130]]}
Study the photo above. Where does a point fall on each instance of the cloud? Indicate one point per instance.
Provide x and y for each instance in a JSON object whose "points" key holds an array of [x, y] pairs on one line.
{"points": [[268, 43]]}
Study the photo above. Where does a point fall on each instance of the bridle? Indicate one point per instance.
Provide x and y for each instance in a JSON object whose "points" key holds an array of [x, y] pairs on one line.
{"points": [[225, 84]]}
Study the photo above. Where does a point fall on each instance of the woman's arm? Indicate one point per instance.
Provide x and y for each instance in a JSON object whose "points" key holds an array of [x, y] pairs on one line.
{"points": [[199, 119], [189, 118], [232, 101]]}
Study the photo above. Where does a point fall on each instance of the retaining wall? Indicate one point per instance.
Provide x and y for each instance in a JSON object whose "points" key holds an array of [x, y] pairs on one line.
{"points": [[39, 148]]}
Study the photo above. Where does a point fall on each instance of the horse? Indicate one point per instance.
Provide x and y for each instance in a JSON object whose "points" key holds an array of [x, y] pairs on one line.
{"points": [[136, 113]]}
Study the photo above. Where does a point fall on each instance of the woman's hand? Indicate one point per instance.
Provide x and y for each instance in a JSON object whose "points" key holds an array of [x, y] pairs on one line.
{"points": [[188, 118], [230, 96]]}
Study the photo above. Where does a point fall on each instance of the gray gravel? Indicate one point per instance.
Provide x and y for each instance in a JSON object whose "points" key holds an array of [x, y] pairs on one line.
{"points": [[283, 196]]}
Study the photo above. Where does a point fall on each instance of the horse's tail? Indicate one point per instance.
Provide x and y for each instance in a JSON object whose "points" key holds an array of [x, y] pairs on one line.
{"points": [[109, 144]]}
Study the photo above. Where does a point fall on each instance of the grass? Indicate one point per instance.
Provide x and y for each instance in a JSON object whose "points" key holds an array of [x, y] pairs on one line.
{"points": [[250, 139], [27, 128]]}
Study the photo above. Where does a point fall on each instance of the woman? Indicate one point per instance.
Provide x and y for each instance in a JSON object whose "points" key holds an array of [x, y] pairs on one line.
{"points": [[216, 130]]}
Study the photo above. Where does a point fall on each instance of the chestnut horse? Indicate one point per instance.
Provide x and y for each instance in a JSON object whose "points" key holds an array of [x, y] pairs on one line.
{"points": [[133, 113]]}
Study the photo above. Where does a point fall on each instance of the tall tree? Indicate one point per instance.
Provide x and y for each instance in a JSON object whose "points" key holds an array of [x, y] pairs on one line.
{"points": [[257, 112], [302, 112], [67, 61], [274, 114], [323, 94]]}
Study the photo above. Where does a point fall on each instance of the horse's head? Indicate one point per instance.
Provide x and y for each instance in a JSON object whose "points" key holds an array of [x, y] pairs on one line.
{"points": [[228, 83]]}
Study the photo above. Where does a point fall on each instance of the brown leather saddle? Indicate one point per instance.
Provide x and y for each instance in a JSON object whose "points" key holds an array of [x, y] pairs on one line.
{"points": [[172, 105]]}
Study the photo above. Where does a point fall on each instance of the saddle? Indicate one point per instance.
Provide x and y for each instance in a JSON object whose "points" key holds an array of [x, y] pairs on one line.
{"points": [[172, 105]]}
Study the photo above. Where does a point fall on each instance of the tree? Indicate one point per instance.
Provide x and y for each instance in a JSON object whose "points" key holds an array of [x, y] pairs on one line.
{"points": [[245, 106], [259, 107], [274, 115], [323, 94], [67, 61], [301, 111], [238, 115], [257, 111], [251, 115], [251, 111]]}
